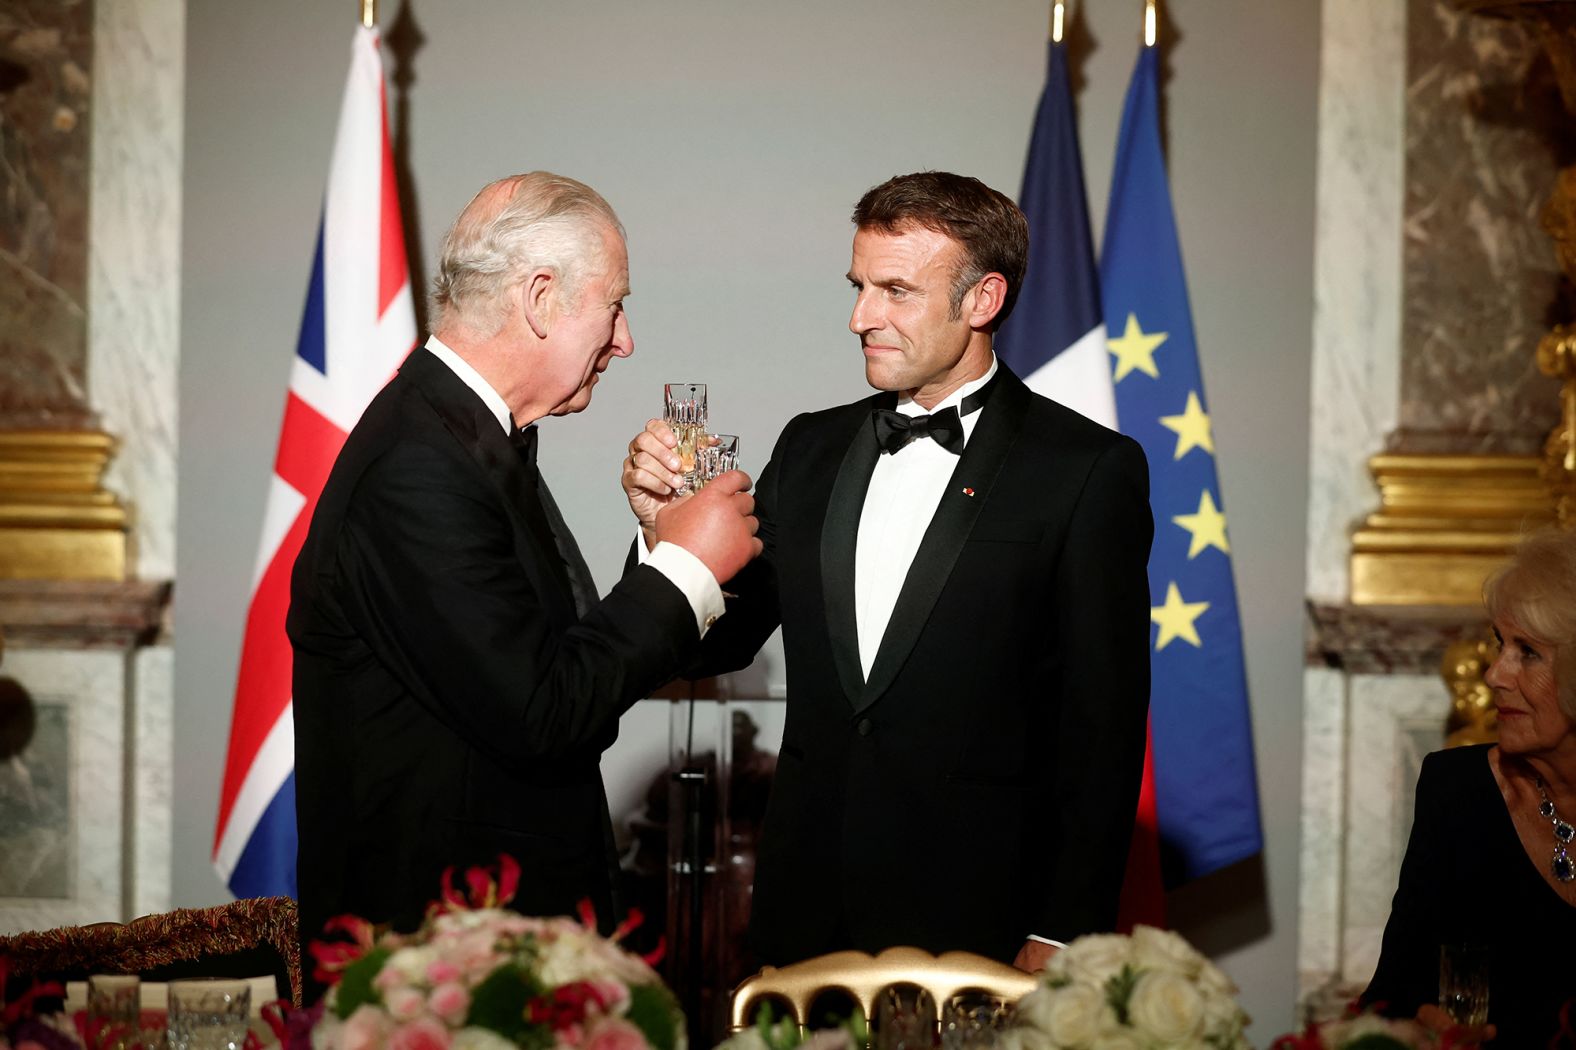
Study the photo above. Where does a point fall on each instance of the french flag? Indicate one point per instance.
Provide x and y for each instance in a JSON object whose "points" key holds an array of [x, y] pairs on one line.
{"points": [[356, 328]]}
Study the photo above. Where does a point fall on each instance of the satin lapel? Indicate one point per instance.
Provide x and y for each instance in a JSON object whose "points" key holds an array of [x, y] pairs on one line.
{"points": [[839, 535], [465, 417], [977, 470]]}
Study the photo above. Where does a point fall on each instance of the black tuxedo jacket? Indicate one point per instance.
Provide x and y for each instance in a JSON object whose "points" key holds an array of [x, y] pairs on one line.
{"points": [[449, 704], [981, 785]]}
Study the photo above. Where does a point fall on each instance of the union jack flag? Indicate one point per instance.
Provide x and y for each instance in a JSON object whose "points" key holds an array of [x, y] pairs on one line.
{"points": [[357, 326]]}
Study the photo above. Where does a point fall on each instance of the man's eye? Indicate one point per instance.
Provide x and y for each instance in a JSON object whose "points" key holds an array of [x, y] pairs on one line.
{"points": [[897, 293]]}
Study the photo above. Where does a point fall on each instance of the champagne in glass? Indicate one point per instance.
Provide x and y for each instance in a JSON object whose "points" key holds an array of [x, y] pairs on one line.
{"points": [[717, 454], [1463, 982], [684, 411]]}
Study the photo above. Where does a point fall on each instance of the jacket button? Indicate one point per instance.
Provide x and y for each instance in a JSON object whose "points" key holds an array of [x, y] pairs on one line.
{"points": [[865, 727]]}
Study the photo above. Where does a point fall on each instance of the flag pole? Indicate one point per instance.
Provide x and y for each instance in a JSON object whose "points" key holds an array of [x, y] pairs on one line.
{"points": [[1058, 20], [369, 13], [1149, 23]]}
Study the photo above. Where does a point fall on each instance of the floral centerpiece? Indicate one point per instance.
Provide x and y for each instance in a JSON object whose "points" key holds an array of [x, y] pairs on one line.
{"points": [[1119, 992], [479, 977]]}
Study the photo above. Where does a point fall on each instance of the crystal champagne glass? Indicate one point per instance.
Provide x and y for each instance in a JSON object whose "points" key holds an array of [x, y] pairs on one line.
{"points": [[684, 411]]}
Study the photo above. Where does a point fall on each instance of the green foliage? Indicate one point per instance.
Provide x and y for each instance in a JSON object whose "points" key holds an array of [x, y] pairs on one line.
{"points": [[654, 1011], [355, 983], [498, 1005], [1119, 989], [786, 1035], [1375, 1041]]}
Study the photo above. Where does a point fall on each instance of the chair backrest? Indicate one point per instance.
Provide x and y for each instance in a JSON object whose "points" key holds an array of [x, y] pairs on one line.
{"points": [[863, 976], [244, 938]]}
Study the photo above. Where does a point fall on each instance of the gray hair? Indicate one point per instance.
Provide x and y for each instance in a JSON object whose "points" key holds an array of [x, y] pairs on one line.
{"points": [[545, 221]]}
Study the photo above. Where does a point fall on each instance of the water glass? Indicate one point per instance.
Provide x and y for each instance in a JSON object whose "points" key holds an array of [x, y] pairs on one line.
{"points": [[971, 1020], [905, 1019], [1463, 982], [208, 1014], [114, 1001]]}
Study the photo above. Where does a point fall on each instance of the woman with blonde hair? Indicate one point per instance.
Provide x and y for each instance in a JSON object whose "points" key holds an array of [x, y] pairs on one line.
{"points": [[1491, 865]]}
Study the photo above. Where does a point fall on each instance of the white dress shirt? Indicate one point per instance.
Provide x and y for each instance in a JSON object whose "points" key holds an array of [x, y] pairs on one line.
{"points": [[905, 489], [685, 571]]}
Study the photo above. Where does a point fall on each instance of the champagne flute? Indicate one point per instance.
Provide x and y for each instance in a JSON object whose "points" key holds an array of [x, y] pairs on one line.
{"points": [[684, 411], [1463, 982]]}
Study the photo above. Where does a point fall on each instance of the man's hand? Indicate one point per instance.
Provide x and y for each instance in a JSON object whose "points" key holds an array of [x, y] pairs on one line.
{"points": [[651, 476], [717, 524], [1034, 955]]}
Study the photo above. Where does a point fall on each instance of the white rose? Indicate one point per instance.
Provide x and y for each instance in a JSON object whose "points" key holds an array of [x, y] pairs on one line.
{"points": [[1213, 981], [1166, 1006], [1075, 1015], [1163, 950], [411, 964], [749, 1039], [1024, 1039], [1118, 1039], [1097, 957], [479, 1039]]}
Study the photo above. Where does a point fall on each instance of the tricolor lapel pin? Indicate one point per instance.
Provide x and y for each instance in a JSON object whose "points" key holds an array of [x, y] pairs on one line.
{"points": [[968, 492]]}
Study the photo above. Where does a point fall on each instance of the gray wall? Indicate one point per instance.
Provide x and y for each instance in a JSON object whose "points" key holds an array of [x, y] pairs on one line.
{"points": [[733, 138]]}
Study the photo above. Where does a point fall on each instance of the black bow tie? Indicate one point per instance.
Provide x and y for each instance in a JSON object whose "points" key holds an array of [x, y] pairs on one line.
{"points": [[524, 441], [894, 430]]}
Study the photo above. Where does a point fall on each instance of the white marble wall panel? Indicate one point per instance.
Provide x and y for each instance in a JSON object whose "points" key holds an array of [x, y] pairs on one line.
{"points": [[1357, 272], [1394, 721], [134, 263], [91, 686], [153, 753], [1323, 827]]}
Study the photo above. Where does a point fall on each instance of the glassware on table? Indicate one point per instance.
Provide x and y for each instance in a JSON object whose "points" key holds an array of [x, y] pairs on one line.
{"points": [[905, 1019], [1463, 982], [208, 1014], [115, 1001], [718, 454], [972, 1020], [684, 411]]}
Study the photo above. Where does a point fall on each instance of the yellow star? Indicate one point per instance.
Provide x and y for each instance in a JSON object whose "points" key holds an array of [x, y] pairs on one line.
{"points": [[1136, 349], [1192, 427], [1176, 618], [1207, 527]]}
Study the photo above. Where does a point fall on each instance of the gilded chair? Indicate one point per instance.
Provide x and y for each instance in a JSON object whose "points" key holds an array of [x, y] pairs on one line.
{"points": [[244, 938], [862, 977]]}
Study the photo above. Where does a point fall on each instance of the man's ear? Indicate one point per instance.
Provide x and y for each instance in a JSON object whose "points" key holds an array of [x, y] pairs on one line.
{"points": [[989, 295], [537, 295]]}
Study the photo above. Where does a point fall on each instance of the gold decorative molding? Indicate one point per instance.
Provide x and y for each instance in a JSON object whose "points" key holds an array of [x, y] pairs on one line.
{"points": [[56, 520], [1444, 523], [1472, 718]]}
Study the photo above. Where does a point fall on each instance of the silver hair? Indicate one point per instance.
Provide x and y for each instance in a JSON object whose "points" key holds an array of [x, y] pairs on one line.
{"points": [[550, 222]]}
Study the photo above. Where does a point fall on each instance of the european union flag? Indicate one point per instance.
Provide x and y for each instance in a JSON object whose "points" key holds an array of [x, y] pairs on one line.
{"points": [[1205, 785]]}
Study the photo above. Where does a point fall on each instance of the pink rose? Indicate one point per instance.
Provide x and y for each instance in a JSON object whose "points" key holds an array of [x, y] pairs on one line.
{"points": [[613, 1034], [450, 1001], [425, 1034], [366, 1029], [612, 995], [442, 971], [405, 1004]]}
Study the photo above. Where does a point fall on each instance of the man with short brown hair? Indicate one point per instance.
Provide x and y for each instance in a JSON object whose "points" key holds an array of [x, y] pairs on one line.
{"points": [[958, 566]]}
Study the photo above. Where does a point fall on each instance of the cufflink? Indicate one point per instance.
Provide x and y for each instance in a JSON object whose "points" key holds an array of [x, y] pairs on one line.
{"points": [[710, 620]]}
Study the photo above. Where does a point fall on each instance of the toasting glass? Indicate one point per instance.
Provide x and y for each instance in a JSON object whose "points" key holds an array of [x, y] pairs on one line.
{"points": [[905, 1019], [718, 454], [684, 411], [1463, 982]]}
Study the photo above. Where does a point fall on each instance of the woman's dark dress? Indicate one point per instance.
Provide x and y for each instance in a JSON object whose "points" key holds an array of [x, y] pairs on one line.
{"points": [[1467, 879]]}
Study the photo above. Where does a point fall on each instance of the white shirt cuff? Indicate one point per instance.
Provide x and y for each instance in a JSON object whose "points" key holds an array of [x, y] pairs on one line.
{"points": [[690, 575], [1046, 940]]}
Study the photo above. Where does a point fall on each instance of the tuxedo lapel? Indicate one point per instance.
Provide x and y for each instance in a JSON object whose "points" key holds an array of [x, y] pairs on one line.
{"points": [[965, 496], [467, 418], [839, 535]]}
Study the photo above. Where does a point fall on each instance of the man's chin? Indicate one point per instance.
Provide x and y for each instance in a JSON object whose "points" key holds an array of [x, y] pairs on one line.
{"points": [[881, 378]]}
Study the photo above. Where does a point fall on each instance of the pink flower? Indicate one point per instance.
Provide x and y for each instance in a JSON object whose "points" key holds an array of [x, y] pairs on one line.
{"points": [[449, 1001], [425, 1034], [442, 971], [366, 1029], [405, 1003], [612, 995], [612, 1034]]}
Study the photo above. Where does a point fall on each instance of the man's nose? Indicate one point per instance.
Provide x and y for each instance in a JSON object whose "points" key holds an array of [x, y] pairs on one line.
{"points": [[623, 341], [863, 318]]}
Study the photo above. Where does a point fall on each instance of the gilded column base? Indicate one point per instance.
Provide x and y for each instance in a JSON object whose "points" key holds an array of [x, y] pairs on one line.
{"points": [[56, 520], [1444, 523]]}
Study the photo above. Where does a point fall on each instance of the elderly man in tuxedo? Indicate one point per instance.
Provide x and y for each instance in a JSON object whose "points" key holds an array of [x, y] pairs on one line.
{"points": [[456, 677], [958, 567]]}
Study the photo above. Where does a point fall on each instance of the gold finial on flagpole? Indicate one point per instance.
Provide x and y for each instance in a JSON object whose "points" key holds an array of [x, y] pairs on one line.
{"points": [[369, 13], [1058, 19], [1149, 23]]}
